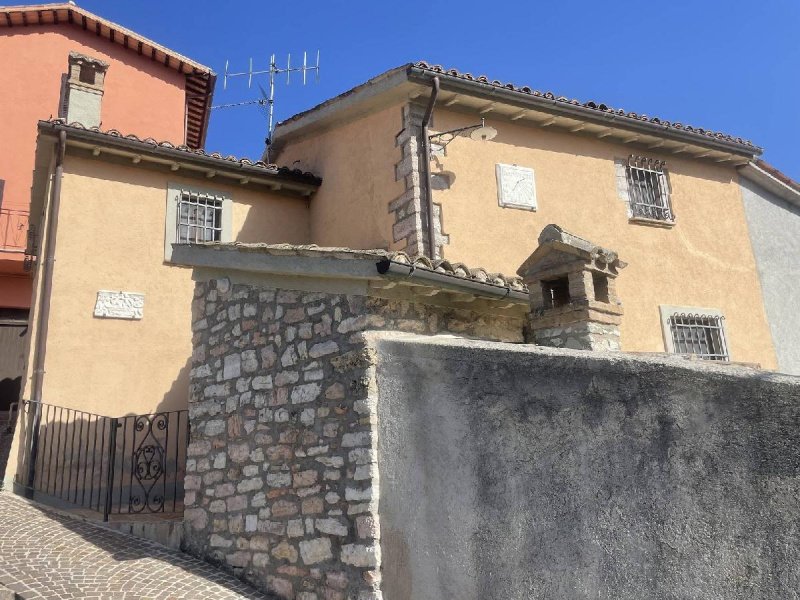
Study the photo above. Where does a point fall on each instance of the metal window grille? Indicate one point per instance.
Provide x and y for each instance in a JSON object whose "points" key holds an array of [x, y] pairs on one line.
{"points": [[649, 192], [701, 335], [199, 218]]}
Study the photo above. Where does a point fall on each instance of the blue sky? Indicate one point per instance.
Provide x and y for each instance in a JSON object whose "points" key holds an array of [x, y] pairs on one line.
{"points": [[727, 65]]}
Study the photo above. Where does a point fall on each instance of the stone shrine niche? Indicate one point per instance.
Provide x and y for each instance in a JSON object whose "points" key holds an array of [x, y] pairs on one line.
{"points": [[573, 299]]}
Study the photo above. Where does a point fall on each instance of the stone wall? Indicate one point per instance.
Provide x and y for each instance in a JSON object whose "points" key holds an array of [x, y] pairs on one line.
{"points": [[578, 336], [512, 472], [410, 213], [281, 483]]}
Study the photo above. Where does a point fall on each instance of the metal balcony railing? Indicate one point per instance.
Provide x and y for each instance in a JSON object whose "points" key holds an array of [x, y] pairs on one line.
{"points": [[110, 465], [13, 230]]}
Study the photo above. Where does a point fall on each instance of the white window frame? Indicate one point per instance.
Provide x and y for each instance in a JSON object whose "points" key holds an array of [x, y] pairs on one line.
{"points": [[668, 311], [175, 192]]}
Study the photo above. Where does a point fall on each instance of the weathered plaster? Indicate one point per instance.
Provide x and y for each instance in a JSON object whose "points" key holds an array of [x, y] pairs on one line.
{"points": [[515, 472], [774, 226]]}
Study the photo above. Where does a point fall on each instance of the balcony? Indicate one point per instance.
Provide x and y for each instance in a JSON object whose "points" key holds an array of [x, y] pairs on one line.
{"points": [[13, 230]]}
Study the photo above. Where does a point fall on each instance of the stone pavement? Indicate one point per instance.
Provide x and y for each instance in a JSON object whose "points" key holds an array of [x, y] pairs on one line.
{"points": [[46, 555]]}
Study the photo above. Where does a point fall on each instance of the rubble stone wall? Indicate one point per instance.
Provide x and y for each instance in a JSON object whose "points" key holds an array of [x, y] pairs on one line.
{"points": [[578, 336], [281, 483]]}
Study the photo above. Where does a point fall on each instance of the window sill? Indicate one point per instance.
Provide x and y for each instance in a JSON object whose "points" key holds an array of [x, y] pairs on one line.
{"points": [[651, 222]]}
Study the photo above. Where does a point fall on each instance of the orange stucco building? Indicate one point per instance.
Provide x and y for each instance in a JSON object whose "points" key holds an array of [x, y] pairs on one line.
{"points": [[664, 195], [58, 60]]}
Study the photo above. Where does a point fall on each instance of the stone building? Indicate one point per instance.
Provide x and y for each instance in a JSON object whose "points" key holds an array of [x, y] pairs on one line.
{"points": [[241, 321], [346, 445]]}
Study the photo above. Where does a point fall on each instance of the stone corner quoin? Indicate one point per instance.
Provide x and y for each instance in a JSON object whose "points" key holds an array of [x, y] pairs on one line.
{"points": [[281, 476]]}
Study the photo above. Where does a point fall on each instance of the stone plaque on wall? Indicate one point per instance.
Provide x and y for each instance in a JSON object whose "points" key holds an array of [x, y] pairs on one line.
{"points": [[119, 305], [516, 187]]}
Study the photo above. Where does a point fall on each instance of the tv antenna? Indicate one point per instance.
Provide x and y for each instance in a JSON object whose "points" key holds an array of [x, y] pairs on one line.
{"points": [[273, 71]]}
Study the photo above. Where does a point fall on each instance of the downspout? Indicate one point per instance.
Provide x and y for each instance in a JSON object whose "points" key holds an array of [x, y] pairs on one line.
{"points": [[426, 160], [43, 317]]}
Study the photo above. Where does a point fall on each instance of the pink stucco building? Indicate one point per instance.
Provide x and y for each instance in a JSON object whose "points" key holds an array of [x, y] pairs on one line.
{"points": [[58, 60]]}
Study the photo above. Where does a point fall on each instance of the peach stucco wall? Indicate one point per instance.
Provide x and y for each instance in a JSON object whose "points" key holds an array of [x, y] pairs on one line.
{"points": [[356, 162], [141, 97], [704, 261], [111, 237]]}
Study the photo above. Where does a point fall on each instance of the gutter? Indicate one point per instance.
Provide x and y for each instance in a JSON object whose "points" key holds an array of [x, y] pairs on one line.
{"points": [[514, 97], [43, 317], [368, 266], [766, 180], [404, 272], [220, 165]]}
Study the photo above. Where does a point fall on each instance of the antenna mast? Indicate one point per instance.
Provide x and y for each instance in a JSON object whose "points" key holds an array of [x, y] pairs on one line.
{"points": [[272, 72]]}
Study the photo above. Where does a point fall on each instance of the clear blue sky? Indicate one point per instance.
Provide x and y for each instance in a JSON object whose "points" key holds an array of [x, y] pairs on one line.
{"points": [[727, 65]]}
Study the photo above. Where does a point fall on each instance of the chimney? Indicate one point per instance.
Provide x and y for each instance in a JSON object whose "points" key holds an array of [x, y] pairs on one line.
{"points": [[83, 90], [573, 298]]}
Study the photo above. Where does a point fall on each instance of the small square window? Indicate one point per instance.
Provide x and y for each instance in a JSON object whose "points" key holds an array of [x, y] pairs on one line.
{"points": [[199, 219], [695, 331], [648, 191], [195, 217]]}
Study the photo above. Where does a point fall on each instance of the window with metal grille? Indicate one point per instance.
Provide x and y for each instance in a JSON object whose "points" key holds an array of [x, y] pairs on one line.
{"points": [[648, 189], [701, 335], [199, 218]]}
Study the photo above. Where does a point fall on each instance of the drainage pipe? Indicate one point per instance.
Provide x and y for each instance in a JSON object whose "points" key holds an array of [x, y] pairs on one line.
{"points": [[426, 160], [43, 311]]}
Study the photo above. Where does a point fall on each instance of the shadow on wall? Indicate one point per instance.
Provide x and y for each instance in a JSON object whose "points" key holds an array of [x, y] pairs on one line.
{"points": [[9, 394], [127, 465], [275, 220], [134, 463]]}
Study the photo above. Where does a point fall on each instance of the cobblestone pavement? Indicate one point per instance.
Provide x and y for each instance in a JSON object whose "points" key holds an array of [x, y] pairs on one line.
{"points": [[47, 555]]}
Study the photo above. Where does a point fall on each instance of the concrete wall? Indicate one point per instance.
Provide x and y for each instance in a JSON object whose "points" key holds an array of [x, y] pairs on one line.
{"points": [[513, 472], [774, 226], [111, 237], [703, 261]]}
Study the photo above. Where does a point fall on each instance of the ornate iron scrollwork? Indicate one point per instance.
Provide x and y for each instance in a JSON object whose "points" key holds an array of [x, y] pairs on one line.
{"points": [[148, 464]]}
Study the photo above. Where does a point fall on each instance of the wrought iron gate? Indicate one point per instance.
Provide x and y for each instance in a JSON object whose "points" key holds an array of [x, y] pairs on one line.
{"points": [[112, 465]]}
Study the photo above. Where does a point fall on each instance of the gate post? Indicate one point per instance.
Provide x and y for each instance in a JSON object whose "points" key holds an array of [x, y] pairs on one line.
{"points": [[112, 449], [34, 447]]}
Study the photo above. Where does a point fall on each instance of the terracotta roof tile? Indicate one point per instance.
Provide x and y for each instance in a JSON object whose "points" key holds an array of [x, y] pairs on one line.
{"points": [[454, 269], [600, 107], [200, 79], [272, 169]]}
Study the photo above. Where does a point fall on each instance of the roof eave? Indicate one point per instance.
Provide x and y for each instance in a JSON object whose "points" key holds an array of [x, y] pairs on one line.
{"points": [[295, 184], [366, 265], [522, 100], [337, 107], [73, 15], [766, 180]]}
